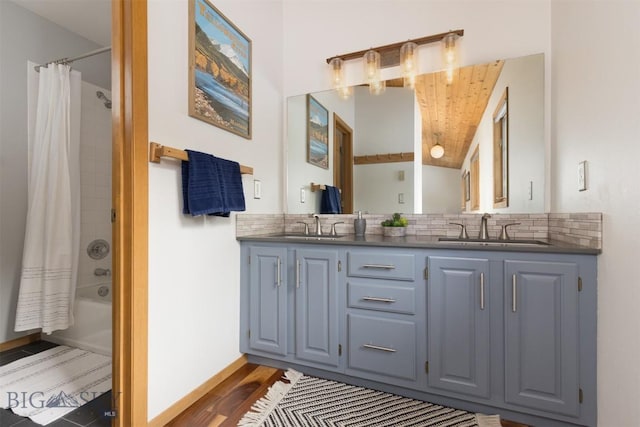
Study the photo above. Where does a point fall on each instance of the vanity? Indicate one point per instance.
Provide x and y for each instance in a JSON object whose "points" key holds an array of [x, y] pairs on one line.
{"points": [[498, 328]]}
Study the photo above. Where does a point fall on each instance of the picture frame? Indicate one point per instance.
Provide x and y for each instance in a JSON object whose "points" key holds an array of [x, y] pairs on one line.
{"points": [[219, 70], [317, 133]]}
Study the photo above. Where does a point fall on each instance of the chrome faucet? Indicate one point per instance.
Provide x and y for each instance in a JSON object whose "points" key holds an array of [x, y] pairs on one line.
{"points": [[318, 227], [484, 232]]}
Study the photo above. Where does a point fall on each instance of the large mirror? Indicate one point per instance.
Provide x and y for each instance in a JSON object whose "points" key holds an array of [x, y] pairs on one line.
{"points": [[379, 146]]}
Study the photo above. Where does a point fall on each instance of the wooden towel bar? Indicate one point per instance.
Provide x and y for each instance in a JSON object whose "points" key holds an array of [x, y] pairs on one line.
{"points": [[156, 151]]}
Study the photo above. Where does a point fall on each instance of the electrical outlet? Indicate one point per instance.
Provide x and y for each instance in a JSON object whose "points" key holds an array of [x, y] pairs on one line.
{"points": [[530, 190], [401, 198], [257, 189], [303, 195]]}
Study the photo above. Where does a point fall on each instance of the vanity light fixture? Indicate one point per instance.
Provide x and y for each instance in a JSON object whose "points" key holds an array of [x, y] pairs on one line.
{"points": [[372, 72], [409, 63], [404, 54], [437, 150], [338, 79], [449, 52]]}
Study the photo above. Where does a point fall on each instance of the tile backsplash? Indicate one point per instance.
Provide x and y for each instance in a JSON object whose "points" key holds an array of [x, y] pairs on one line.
{"points": [[583, 229]]}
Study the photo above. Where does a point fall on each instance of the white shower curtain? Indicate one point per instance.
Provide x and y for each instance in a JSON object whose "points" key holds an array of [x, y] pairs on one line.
{"points": [[51, 247]]}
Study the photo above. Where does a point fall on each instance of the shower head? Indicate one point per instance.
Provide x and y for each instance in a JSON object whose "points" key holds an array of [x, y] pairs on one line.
{"points": [[103, 97]]}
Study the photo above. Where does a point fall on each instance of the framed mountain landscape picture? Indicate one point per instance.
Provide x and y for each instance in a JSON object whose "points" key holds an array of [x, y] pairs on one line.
{"points": [[317, 133], [219, 70]]}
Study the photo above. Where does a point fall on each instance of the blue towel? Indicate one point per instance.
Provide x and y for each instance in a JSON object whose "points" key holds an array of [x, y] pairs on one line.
{"points": [[330, 202], [211, 185]]}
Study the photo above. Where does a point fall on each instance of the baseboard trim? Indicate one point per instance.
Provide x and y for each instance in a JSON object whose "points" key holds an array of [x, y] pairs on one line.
{"points": [[18, 342], [181, 405]]}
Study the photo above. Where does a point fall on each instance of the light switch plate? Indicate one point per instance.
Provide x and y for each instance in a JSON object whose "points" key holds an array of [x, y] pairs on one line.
{"points": [[582, 175], [303, 195], [401, 198], [257, 189]]}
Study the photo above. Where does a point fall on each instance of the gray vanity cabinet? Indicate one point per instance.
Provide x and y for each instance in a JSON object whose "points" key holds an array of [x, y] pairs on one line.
{"points": [[316, 306], [268, 302], [458, 325], [385, 316], [541, 335]]}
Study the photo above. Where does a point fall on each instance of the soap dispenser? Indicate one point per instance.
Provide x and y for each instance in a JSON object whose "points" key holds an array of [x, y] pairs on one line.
{"points": [[359, 224]]}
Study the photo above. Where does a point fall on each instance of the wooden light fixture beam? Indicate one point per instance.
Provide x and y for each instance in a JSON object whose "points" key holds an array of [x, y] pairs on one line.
{"points": [[393, 50]]}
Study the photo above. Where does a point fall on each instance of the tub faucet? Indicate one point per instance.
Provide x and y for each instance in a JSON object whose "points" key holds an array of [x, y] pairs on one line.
{"points": [[484, 232], [102, 272], [318, 227]]}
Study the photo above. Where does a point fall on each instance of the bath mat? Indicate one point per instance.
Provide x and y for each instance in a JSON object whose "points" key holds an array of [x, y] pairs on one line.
{"points": [[309, 401], [50, 384]]}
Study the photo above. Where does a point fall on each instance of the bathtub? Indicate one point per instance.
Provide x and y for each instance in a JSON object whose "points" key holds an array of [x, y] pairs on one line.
{"points": [[92, 314]]}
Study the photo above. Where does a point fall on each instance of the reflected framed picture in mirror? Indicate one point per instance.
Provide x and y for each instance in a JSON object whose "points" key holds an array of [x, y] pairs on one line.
{"points": [[317, 133]]}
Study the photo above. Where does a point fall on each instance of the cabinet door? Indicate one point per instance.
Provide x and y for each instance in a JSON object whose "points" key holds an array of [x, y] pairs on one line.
{"points": [[268, 299], [541, 335], [458, 325], [317, 306]]}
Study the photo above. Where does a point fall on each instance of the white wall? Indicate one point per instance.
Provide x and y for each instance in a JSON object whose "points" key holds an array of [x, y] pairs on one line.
{"points": [[441, 190], [194, 263], [596, 101], [385, 124], [26, 36], [524, 76]]}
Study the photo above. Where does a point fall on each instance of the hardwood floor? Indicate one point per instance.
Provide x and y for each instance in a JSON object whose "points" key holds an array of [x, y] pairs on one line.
{"points": [[225, 405]]}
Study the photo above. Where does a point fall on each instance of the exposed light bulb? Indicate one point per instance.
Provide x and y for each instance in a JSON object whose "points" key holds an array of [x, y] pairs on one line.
{"points": [[449, 55], [409, 63], [337, 75], [372, 72]]}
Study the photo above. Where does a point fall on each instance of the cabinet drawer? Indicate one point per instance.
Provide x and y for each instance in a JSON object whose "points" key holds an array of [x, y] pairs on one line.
{"points": [[381, 265], [390, 298], [385, 347]]}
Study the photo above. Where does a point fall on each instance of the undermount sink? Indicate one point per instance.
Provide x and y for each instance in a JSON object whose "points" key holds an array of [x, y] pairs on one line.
{"points": [[311, 236], [481, 242]]}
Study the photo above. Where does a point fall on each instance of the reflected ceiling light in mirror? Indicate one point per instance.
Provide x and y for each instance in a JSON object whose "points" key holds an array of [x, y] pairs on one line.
{"points": [[409, 63], [449, 53], [437, 151], [338, 79]]}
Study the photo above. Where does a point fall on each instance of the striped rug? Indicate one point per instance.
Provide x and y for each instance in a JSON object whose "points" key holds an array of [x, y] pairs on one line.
{"points": [[308, 401], [50, 384]]}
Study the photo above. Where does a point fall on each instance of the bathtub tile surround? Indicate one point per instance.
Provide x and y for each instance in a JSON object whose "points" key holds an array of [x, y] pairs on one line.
{"points": [[583, 229], [95, 181]]}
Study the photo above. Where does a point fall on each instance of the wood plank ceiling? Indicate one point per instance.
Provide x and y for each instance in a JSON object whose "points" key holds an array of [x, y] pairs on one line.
{"points": [[453, 111]]}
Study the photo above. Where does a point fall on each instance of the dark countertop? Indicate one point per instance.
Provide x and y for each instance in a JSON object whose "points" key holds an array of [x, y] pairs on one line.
{"points": [[422, 242]]}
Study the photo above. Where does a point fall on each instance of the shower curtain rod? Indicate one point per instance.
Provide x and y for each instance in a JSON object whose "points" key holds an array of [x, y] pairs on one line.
{"points": [[75, 58]]}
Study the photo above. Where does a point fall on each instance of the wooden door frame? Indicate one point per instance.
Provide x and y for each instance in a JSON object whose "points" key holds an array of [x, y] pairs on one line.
{"points": [[130, 210], [347, 191]]}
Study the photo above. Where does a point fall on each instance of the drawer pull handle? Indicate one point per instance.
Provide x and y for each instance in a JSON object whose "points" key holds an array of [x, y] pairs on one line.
{"points": [[377, 347], [380, 266], [378, 299]]}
